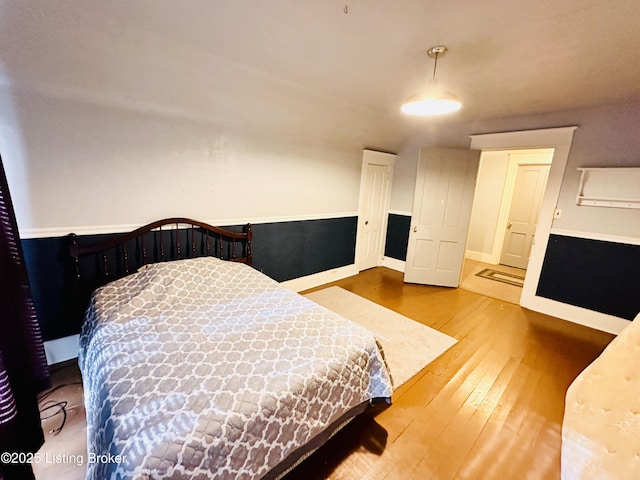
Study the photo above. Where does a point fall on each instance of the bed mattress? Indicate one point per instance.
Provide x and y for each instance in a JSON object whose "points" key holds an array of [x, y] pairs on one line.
{"points": [[205, 369], [601, 425]]}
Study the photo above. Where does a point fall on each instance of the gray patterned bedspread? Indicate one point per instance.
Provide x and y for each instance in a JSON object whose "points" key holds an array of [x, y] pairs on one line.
{"points": [[208, 369]]}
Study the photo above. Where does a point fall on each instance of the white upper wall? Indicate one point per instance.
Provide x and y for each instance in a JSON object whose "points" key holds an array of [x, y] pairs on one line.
{"points": [[80, 164], [74, 163]]}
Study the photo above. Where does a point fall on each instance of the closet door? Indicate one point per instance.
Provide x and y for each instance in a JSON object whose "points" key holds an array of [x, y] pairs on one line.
{"points": [[375, 196], [531, 181], [445, 184]]}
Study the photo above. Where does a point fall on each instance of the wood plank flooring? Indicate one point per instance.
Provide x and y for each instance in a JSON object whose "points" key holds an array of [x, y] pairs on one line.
{"points": [[490, 408]]}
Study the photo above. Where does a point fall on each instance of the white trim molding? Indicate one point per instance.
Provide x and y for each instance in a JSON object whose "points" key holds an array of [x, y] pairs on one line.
{"points": [[480, 257], [393, 263], [560, 140], [523, 139], [106, 229], [404, 213], [315, 280], [579, 315], [596, 236]]}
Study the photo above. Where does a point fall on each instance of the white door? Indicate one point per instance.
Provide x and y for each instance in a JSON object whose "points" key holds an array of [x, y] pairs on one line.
{"points": [[375, 195], [531, 181], [442, 202]]}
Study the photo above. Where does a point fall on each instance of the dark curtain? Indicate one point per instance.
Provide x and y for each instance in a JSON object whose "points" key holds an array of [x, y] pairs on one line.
{"points": [[23, 365]]}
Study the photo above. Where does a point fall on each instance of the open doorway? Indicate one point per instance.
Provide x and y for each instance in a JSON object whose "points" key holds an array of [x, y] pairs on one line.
{"points": [[509, 191]]}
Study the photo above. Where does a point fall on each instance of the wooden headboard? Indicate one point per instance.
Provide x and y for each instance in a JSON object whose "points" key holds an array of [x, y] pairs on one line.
{"points": [[100, 262]]}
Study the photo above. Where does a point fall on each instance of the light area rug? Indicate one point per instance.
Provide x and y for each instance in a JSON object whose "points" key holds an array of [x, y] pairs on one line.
{"points": [[409, 346]]}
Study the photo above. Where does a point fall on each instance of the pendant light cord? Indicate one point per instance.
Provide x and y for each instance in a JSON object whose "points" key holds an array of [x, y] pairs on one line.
{"points": [[435, 64]]}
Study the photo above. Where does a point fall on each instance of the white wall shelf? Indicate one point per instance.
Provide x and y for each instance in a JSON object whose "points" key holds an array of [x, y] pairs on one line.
{"points": [[609, 187]]}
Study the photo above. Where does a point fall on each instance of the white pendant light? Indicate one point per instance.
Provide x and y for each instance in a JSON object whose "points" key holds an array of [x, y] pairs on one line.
{"points": [[432, 101]]}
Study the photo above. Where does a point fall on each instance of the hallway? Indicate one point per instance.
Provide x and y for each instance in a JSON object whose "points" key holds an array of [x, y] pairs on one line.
{"points": [[490, 288]]}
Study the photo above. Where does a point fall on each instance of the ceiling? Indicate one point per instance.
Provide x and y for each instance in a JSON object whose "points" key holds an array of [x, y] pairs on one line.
{"points": [[321, 70]]}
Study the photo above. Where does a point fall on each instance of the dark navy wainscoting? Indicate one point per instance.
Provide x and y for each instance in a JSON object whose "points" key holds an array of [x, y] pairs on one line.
{"points": [[281, 250], [288, 250], [593, 274], [397, 236]]}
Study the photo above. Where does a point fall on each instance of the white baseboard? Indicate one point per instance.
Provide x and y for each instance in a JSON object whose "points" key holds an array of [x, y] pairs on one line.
{"points": [[572, 313], [62, 349], [393, 263], [480, 257], [320, 278], [579, 315]]}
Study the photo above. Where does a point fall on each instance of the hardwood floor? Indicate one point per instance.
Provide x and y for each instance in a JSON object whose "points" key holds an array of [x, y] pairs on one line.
{"points": [[63, 455], [490, 408]]}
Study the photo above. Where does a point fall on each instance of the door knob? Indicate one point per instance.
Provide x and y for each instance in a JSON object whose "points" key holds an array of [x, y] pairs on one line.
{"points": [[509, 225], [415, 229], [366, 222]]}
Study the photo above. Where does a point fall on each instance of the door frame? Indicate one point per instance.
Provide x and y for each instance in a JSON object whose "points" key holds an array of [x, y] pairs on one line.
{"points": [[518, 167], [560, 140], [373, 157], [507, 198]]}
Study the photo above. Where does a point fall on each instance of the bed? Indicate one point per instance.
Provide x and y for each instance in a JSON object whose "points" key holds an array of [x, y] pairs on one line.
{"points": [[195, 365], [601, 424]]}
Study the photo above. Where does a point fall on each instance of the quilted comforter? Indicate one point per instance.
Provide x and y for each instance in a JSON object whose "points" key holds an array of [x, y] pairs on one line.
{"points": [[204, 369]]}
